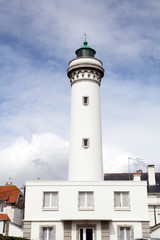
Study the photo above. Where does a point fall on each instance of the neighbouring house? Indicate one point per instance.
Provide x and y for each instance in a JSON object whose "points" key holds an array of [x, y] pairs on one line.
{"points": [[11, 210], [153, 192]]}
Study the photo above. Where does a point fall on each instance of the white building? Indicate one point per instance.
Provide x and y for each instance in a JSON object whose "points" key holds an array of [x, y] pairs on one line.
{"points": [[86, 207], [11, 210], [153, 190]]}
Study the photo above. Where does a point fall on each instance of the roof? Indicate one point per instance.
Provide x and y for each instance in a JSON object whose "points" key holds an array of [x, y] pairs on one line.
{"points": [[9, 193], [4, 216], [85, 51], [129, 176], [155, 227]]}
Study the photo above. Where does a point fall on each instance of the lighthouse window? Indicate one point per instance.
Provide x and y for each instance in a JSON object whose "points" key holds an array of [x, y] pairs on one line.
{"points": [[85, 101], [85, 142]]}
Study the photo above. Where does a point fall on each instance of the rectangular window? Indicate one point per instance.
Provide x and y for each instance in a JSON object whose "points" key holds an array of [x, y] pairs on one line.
{"points": [[47, 233], [125, 233], [85, 142], [85, 100], [121, 200], [86, 233], [86, 200], [50, 200], [1, 206]]}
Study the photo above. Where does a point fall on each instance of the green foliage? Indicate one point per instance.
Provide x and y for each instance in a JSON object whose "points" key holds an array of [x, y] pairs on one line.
{"points": [[11, 238]]}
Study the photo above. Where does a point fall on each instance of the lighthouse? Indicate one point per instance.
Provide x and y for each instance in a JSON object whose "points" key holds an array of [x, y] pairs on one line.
{"points": [[86, 207], [85, 73]]}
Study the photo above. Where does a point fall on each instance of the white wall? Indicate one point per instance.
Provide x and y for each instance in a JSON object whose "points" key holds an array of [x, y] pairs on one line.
{"points": [[15, 230], [137, 229], [14, 214], [103, 206], [1, 227], [35, 230], [103, 198], [156, 233], [85, 164], [154, 208]]}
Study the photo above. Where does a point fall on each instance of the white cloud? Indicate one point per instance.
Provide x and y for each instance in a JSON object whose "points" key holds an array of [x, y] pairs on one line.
{"points": [[45, 156], [38, 38]]}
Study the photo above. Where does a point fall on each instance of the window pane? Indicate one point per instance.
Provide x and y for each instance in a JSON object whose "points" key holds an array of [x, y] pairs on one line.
{"points": [[125, 199], [128, 233], [90, 199], [44, 233], [117, 199], [121, 233], [85, 100], [81, 199], [1, 207], [55, 199], [81, 233], [50, 233], [89, 233], [46, 199], [85, 142]]}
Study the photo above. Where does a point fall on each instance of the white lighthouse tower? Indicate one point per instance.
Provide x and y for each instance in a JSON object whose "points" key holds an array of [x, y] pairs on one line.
{"points": [[86, 207], [85, 73]]}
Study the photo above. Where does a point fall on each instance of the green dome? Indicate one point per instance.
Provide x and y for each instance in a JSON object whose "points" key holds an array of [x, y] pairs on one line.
{"points": [[85, 51]]}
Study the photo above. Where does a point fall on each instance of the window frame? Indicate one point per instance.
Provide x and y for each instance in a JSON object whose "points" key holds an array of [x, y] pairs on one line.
{"points": [[50, 207], [1, 206], [85, 207], [53, 227], [87, 144], [85, 100], [125, 227], [84, 232], [122, 207], [84, 226]]}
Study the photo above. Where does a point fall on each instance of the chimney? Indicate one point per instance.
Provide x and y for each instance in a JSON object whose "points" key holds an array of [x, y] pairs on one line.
{"points": [[137, 176], [8, 184], [151, 175]]}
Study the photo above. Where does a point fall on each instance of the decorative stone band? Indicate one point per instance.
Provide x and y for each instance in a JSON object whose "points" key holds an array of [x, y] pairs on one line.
{"points": [[27, 229], [85, 72], [145, 230]]}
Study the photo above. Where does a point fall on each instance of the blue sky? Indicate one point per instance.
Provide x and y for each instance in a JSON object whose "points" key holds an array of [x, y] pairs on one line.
{"points": [[37, 40]]}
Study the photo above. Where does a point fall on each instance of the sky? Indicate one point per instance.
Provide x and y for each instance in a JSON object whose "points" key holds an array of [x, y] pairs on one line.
{"points": [[37, 40]]}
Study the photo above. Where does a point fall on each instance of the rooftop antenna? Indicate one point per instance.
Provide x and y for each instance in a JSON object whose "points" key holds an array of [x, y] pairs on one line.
{"points": [[134, 159]]}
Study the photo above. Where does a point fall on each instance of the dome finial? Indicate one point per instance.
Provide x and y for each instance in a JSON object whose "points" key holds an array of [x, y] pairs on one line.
{"points": [[85, 37], [85, 43]]}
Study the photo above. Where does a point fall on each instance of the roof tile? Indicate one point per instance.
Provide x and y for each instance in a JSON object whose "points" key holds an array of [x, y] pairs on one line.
{"points": [[4, 216], [9, 193]]}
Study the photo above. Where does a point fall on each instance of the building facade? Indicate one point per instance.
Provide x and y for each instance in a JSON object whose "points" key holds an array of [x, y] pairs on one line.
{"points": [[11, 210], [86, 207], [153, 194]]}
